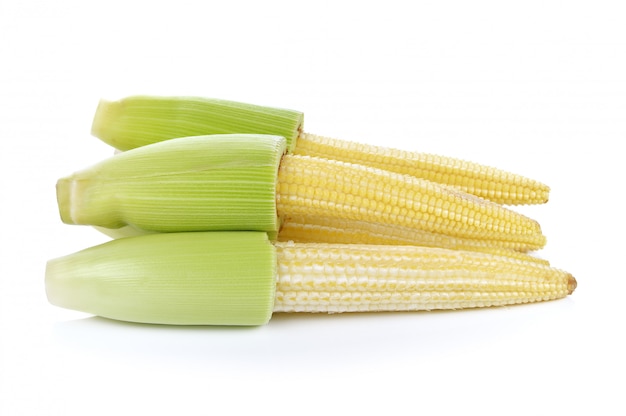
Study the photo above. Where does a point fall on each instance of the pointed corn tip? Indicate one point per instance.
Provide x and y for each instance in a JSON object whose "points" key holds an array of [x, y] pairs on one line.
{"points": [[571, 284]]}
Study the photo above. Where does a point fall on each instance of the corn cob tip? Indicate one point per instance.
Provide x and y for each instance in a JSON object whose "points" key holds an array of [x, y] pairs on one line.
{"points": [[571, 284]]}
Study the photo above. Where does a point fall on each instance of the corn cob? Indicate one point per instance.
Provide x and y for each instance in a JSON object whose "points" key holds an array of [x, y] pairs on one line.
{"points": [[140, 120], [239, 278], [310, 229], [480, 180], [314, 186], [351, 277], [243, 182]]}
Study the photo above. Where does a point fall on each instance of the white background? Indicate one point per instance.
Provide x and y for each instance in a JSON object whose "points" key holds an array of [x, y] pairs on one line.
{"points": [[535, 87]]}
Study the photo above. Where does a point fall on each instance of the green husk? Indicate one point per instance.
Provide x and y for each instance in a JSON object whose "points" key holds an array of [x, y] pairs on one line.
{"points": [[140, 120], [203, 183], [206, 278]]}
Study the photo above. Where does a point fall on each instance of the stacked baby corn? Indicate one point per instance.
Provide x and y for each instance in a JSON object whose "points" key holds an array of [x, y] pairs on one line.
{"points": [[234, 212]]}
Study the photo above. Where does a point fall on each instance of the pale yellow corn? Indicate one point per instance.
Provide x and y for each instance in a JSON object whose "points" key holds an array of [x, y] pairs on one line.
{"points": [[358, 278], [317, 229], [316, 187], [484, 181]]}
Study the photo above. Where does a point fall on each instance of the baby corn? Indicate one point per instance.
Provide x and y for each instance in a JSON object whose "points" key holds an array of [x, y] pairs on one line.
{"points": [[360, 278], [240, 278], [244, 182], [311, 229], [315, 187], [484, 181], [140, 120]]}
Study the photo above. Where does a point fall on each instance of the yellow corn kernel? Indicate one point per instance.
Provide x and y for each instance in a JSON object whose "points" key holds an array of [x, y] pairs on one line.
{"points": [[358, 278], [315, 187], [484, 181]]}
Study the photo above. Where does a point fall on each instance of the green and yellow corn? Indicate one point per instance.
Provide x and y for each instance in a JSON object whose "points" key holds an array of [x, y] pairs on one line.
{"points": [[139, 120], [246, 182], [240, 278]]}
